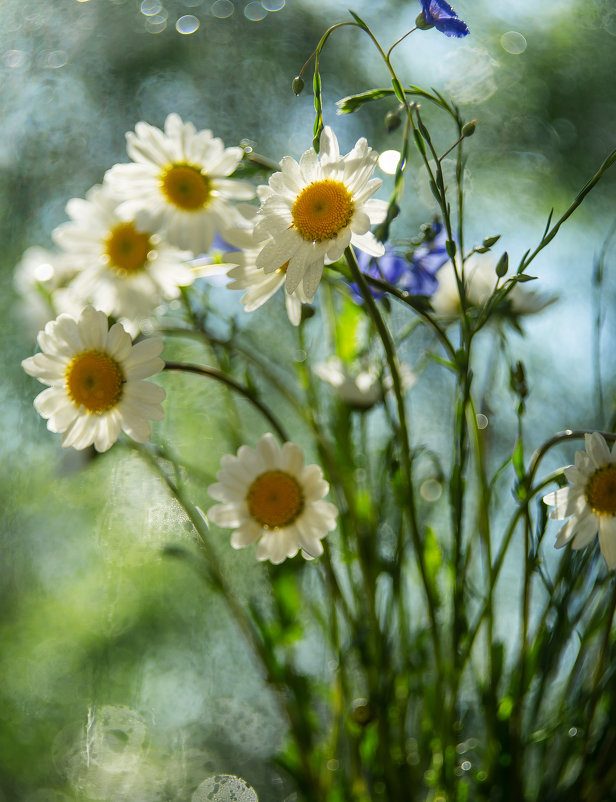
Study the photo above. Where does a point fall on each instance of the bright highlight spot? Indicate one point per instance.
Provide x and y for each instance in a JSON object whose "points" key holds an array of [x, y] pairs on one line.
{"points": [[255, 12], [187, 24], [482, 421], [513, 42], [431, 490], [43, 272], [222, 9], [388, 161], [149, 8]]}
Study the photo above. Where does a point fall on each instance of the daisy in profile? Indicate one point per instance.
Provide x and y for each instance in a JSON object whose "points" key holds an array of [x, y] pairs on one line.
{"points": [[268, 495], [312, 210], [590, 499], [178, 183], [95, 381], [124, 271]]}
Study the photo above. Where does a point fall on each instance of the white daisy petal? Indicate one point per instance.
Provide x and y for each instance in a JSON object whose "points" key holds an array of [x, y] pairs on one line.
{"points": [[597, 449], [607, 540], [269, 496]]}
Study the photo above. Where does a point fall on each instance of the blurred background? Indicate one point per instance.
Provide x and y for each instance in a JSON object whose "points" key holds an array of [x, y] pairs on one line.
{"points": [[121, 676]]}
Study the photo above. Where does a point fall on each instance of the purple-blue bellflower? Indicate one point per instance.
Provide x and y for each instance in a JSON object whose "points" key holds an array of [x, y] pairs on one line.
{"points": [[416, 276], [440, 15]]}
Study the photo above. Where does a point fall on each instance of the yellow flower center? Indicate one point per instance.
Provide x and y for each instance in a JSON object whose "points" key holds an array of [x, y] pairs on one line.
{"points": [[94, 380], [186, 187], [275, 499], [601, 491], [127, 249], [322, 210]]}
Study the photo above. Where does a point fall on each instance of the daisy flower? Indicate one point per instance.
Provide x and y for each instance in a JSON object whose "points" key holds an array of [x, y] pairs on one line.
{"points": [[123, 271], [94, 376], [590, 499], [313, 210], [269, 496], [178, 184]]}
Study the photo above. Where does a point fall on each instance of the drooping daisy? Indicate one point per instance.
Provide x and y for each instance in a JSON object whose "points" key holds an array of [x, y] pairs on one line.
{"points": [[480, 280], [314, 209], [95, 381], [590, 499], [42, 279], [178, 184], [122, 270], [269, 496]]}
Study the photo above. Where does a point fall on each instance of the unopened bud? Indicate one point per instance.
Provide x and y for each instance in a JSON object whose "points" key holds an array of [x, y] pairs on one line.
{"points": [[489, 241], [297, 85], [468, 129], [361, 712], [392, 120], [502, 266]]}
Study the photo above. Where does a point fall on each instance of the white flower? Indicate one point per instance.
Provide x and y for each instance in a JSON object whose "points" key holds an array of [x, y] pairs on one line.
{"points": [[178, 183], [313, 210], [269, 496], [94, 376], [361, 388], [480, 281], [122, 270], [590, 499], [41, 278]]}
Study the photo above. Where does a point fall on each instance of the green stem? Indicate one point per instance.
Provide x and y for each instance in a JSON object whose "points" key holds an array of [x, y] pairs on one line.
{"points": [[390, 354], [217, 375]]}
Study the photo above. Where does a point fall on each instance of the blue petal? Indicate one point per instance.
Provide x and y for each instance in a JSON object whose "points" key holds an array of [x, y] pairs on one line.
{"points": [[451, 27]]}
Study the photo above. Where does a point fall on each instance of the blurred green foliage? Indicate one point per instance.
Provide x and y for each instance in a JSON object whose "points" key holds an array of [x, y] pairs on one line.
{"points": [[97, 623]]}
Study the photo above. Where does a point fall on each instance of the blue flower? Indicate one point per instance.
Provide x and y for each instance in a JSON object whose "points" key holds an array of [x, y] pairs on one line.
{"points": [[416, 276], [440, 15]]}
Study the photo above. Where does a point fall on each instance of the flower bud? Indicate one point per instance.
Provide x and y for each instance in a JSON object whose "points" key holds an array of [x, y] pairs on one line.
{"points": [[422, 23], [392, 120], [468, 129], [502, 265], [297, 85], [361, 712]]}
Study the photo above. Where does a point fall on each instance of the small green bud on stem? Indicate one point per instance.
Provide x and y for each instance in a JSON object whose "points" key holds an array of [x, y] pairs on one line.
{"points": [[392, 120], [297, 85], [468, 129]]}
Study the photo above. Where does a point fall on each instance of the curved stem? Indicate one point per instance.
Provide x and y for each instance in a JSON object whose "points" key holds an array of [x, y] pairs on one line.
{"points": [[217, 375]]}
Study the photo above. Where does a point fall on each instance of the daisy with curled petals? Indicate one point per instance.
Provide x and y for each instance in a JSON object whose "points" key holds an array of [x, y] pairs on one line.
{"points": [[95, 381], [124, 271], [268, 495], [313, 210], [590, 499], [178, 183]]}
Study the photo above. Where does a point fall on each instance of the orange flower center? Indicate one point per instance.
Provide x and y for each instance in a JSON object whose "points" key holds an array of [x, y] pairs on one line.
{"points": [[275, 499], [186, 187], [322, 210], [127, 249], [94, 380], [601, 491]]}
